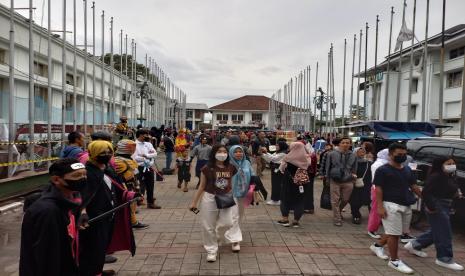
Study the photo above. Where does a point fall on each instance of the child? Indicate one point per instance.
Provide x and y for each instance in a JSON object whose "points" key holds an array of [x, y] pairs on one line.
{"points": [[183, 165]]}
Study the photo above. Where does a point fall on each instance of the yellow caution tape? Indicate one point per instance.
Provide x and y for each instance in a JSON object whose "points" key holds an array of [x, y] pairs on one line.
{"points": [[27, 161], [33, 142]]}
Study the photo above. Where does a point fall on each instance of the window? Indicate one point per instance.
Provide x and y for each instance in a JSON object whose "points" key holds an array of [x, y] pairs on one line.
{"points": [[40, 69], [413, 112], [257, 117], [454, 79], [222, 117], [414, 85], [2, 56], [459, 157], [70, 79], [455, 53], [237, 117], [189, 113], [428, 154], [40, 103]]}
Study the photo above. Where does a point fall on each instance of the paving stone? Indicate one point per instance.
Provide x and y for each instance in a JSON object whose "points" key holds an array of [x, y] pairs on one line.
{"points": [[269, 268]]}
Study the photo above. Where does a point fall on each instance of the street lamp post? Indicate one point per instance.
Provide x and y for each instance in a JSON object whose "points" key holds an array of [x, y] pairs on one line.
{"points": [[143, 94], [319, 101]]}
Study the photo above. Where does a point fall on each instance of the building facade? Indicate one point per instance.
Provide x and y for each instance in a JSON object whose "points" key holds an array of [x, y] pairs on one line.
{"points": [[195, 114], [250, 111], [396, 108], [110, 93]]}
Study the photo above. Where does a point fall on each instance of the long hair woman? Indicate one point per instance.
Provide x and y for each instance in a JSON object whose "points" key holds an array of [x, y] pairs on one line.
{"points": [[215, 182], [292, 195], [276, 176], [440, 189], [361, 193]]}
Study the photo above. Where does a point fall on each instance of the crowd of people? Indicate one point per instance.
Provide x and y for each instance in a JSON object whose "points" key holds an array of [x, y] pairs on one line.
{"points": [[89, 209]]}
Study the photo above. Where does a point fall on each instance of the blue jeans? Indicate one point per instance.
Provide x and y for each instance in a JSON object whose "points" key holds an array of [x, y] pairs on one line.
{"points": [[169, 159], [440, 232]]}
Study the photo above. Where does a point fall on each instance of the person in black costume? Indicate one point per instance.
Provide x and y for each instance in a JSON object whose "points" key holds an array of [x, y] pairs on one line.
{"points": [[49, 232]]}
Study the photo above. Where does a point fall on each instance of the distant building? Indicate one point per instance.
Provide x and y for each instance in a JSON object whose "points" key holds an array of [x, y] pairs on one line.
{"points": [[250, 111], [195, 114], [453, 76]]}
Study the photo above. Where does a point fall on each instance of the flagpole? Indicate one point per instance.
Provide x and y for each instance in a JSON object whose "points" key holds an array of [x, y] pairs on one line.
{"points": [[49, 81], [112, 76], [441, 74], [94, 105], [31, 84], [328, 92], [344, 83], [309, 98], [357, 116], [102, 111], [314, 102], [376, 97], [399, 76], [365, 87], [462, 119], [410, 83], [74, 69], [425, 58], [121, 73], [352, 81], [333, 94], [126, 77], [386, 92], [85, 68], [63, 78]]}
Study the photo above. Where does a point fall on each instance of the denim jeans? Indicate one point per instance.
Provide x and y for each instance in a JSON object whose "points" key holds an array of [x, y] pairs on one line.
{"points": [[440, 232], [169, 159]]}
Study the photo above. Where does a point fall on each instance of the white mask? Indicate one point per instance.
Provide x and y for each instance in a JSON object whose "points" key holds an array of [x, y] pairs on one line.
{"points": [[450, 168], [221, 156]]}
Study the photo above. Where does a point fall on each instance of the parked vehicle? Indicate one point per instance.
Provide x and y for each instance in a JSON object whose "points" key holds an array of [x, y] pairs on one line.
{"points": [[425, 150]]}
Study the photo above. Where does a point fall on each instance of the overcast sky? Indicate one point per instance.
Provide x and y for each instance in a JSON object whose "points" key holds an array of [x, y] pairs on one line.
{"points": [[216, 50]]}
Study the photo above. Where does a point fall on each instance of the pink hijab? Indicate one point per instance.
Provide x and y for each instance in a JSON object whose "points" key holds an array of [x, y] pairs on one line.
{"points": [[298, 156]]}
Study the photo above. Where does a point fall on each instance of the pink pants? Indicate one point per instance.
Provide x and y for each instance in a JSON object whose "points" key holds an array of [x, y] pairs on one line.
{"points": [[374, 221]]}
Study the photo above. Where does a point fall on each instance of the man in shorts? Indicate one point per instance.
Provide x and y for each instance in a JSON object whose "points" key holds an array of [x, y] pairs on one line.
{"points": [[395, 185]]}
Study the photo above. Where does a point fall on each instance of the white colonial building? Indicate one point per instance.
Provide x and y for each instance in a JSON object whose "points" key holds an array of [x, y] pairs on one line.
{"points": [[453, 70], [250, 111]]}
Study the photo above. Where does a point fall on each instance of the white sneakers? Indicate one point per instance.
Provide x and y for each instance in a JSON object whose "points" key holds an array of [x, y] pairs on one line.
{"points": [[419, 253], [400, 266], [379, 251], [211, 257], [374, 235], [273, 203], [453, 266], [236, 247]]}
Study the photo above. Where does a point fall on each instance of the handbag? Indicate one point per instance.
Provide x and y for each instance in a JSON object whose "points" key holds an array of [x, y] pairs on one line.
{"points": [[224, 201], [325, 200], [359, 181]]}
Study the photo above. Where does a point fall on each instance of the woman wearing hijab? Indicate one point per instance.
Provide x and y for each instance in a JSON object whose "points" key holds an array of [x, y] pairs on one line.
{"points": [[361, 193], [240, 186], [292, 194], [276, 176], [102, 193]]}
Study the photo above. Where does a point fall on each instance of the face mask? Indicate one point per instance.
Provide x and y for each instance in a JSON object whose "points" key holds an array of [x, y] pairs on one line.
{"points": [[221, 156], [399, 159], [103, 159], [76, 185], [450, 168], [147, 139]]}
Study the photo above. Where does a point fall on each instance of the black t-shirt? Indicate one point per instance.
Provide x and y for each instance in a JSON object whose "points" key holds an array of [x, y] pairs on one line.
{"points": [[395, 183]]}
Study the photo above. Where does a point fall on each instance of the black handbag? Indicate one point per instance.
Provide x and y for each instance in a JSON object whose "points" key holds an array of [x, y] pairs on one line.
{"points": [[224, 201], [325, 200]]}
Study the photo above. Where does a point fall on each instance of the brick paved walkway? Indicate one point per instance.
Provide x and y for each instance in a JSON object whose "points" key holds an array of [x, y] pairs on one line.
{"points": [[172, 245]]}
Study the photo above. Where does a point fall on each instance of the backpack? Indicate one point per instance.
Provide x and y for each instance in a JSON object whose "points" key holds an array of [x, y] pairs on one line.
{"points": [[301, 177]]}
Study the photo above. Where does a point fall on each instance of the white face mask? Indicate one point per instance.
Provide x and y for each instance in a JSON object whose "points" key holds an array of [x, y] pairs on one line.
{"points": [[450, 168], [221, 156]]}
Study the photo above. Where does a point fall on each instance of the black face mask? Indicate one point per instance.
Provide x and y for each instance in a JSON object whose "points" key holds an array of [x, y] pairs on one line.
{"points": [[399, 159], [147, 139], [76, 185], [103, 159]]}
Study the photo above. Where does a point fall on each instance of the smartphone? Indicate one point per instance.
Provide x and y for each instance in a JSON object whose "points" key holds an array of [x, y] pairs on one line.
{"points": [[301, 189]]}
